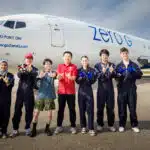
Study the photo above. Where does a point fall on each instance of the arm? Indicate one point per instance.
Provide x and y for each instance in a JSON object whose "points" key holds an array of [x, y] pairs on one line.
{"points": [[80, 77], [73, 75], [136, 72], [99, 73], [11, 82], [92, 77], [59, 74]]}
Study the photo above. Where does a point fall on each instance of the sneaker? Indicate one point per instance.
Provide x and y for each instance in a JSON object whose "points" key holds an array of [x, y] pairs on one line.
{"points": [[73, 130], [14, 133], [4, 136], [136, 129], [92, 133], [83, 130], [112, 129], [99, 128], [28, 132], [58, 130], [121, 129]]}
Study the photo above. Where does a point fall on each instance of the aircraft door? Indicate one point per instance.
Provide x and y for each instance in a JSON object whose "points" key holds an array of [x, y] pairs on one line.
{"points": [[57, 33]]}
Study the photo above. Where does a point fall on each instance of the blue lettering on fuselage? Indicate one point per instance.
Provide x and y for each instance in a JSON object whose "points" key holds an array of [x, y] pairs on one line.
{"points": [[102, 35]]}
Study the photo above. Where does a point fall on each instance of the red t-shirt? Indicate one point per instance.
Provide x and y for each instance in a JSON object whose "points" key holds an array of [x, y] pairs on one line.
{"points": [[65, 85]]}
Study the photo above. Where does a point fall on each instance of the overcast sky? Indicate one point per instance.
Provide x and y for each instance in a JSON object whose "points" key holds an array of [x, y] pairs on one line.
{"points": [[129, 16]]}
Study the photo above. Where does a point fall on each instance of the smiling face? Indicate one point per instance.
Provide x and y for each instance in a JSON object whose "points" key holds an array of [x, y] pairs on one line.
{"points": [[3, 66], [47, 66], [85, 62], [124, 55], [67, 58], [28, 61], [104, 58]]}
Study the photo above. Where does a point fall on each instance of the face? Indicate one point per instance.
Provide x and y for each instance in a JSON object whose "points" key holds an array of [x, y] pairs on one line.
{"points": [[47, 66], [28, 61], [67, 58], [3, 66], [104, 58], [84, 62], [124, 55]]}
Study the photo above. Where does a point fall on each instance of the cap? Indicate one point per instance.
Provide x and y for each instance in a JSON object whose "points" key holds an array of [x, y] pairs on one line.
{"points": [[29, 56], [3, 60]]}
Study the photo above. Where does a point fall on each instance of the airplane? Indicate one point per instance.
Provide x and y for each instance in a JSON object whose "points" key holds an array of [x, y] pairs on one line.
{"points": [[49, 36]]}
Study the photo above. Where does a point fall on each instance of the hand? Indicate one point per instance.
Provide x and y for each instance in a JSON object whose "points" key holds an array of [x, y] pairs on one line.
{"points": [[5, 79], [68, 75], [53, 75], [42, 74], [59, 76], [104, 69], [111, 69]]}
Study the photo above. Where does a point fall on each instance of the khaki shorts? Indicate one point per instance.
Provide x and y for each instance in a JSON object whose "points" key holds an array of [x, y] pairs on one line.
{"points": [[45, 104]]}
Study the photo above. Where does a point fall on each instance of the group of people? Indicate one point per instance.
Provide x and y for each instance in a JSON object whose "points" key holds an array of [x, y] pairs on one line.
{"points": [[125, 74]]}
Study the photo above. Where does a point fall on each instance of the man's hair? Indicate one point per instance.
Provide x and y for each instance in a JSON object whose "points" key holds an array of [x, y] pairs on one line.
{"points": [[124, 49], [47, 60], [68, 52], [84, 57], [104, 51]]}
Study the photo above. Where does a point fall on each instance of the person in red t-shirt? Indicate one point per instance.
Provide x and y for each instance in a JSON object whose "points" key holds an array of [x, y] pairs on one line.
{"points": [[66, 74]]}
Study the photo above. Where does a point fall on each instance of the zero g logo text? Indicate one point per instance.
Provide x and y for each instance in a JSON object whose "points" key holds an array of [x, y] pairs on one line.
{"points": [[102, 35]]}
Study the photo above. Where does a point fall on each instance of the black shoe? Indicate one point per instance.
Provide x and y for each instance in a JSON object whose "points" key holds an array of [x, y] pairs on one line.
{"points": [[48, 131], [33, 132]]}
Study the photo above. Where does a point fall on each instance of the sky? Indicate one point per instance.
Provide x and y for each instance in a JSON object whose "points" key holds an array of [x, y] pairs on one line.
{"points": [[128, 16]]}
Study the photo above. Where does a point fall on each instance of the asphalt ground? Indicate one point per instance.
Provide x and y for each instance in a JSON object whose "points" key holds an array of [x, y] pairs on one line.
{"points": [[103, 141]]}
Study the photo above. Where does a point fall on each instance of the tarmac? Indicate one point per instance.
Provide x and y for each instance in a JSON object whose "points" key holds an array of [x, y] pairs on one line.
{"points": [[103, 141]]}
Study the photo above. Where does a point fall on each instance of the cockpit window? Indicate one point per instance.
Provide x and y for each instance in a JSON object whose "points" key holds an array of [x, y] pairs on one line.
{"points": [[20, 25], [9, 24]]}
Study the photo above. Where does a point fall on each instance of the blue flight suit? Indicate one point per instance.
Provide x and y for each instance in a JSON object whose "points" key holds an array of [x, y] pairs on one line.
{"points": [[25, 94], [85, 79], [127, 95], [5, 101], [105, 94]]}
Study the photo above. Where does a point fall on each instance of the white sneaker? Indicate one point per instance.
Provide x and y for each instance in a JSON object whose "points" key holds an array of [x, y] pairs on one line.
{"points": [[28, 132], [112, 129], [99, 128], [73, 130], [4, 136], [136, 129], [92, 133], [58, 130], [121, 129], [14, 133], [83, 130]]}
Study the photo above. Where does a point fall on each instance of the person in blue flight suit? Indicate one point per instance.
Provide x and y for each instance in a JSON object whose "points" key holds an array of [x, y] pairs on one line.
{"points": [[105, 92], [27, 74], [6, 85], [127, 74], [85, 78]]}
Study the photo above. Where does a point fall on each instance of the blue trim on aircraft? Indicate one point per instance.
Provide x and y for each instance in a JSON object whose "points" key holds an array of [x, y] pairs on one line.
{"points": [[102, 35]]}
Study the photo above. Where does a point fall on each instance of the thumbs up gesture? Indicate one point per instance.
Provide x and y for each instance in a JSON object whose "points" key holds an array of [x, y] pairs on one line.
{"points": [[111, 69], [5, 79]]}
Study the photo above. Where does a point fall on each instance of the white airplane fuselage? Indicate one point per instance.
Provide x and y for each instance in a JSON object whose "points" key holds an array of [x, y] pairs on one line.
{"points": [[49, 36]]}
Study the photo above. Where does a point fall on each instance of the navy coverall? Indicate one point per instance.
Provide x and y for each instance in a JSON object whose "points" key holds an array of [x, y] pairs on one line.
{"points": [[25, 94], [5, 101], [127, 95], [105, 94], [85, 79]]}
